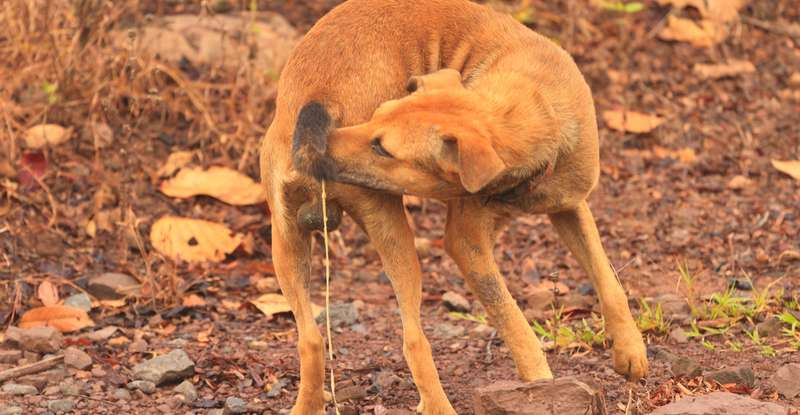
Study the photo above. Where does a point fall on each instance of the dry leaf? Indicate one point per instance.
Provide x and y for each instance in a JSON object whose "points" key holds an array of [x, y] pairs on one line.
{"points": [[631, 121], [705, 34], [733, 68], [62, 318], [175, 161], [41, 135], [271, 304], [221, 183], [193, 240], [739, 182], [788, 256], [719, 10], [48, 293], [193, 300], [119, 341], [684, 155], [790, 167]]}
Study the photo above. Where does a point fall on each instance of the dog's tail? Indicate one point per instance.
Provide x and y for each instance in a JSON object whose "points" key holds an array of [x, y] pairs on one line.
{"points": [[310, 142]]}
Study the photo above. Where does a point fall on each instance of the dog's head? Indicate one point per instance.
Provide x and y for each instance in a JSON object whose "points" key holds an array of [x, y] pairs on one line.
{"points": [[433, 142]]}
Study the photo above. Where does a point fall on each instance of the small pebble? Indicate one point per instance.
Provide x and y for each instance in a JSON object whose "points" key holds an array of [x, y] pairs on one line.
{"points": [[143, 385], [234, 405], [122, 394], [60, 405]]}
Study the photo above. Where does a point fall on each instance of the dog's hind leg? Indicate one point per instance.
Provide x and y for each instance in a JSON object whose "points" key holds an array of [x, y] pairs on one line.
{"points": [[579, 232], [291, 253], [469, 239], [383, 219]]}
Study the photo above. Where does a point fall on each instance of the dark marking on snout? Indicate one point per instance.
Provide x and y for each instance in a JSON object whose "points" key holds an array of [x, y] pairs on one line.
{"points": [[310, 218], [310, 141]]}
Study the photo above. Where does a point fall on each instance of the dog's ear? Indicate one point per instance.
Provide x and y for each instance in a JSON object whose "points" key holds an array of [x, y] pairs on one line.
{"points": [[441, 79], [475, 160]]}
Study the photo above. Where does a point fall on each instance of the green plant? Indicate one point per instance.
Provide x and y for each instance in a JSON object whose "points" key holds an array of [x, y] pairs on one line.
{"points": [[687, 279], [51, 90], [482, 319], [622, 7], [651, 319]]}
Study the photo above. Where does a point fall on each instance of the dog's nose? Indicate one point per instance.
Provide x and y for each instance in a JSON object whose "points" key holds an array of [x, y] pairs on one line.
{"points": [[310, 141]]}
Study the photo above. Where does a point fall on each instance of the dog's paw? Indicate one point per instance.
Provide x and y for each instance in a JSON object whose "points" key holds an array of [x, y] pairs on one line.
{"points": [[630, 358], [445, 409], [309, 405]]}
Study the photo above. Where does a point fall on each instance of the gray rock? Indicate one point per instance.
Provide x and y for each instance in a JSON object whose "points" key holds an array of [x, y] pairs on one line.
{"points": [[350, 393], [52, 390], [121, 394], [341, 315], [18, 389], [41, 380], [447, 331], [787, 380], [77, 358], [675, 307], [60, 405], [10, 357], [456, 302], [171, 367], [277, 387], [234, 405], [143, 385], [70, 388], [39, 339], [80, 301], [560, 396], [215, 412], [771, 327], [114, 286], [188, 391], [680, 366], [741, 375], [678, 335], [720, 403], [10, 410]]}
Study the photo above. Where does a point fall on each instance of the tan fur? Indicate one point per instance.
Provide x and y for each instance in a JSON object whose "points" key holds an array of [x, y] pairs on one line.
{"points": [[500, 123]]}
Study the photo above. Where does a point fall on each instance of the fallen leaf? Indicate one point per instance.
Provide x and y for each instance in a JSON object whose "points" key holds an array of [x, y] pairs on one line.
{"points": [[102, 334], [32, 166], [175, 162], [739, 182], [221, 183], [119, 341], [102, 135], [720, 10], [732, 68], [705, 34], [62, 318], [271, 304], [790, 167], [193, 300], [41, 135], [193, 240], [789, 256], [631, 121], [48, 293]]}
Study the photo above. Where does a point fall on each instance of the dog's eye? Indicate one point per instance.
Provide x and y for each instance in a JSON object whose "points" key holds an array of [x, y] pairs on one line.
{"points": [[378, 148]]}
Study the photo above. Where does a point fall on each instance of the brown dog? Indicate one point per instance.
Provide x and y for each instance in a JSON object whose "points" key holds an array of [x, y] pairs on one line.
{"points": [[500, 122]]}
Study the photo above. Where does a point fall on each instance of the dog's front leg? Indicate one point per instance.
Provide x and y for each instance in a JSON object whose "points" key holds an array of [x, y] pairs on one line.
{"points": [[469, 239], [383, 219], [579, 232], [291, 255]]}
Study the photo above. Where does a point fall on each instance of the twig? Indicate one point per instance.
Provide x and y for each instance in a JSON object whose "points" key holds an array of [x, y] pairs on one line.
{"points": [[30, 369], [489, 357], [779, 28], [556, 311]]}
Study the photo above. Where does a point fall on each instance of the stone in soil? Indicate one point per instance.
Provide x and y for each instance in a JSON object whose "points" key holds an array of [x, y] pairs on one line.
{"points": [[60, 405], [678, 335], [113, 286], [770, 327], [10, 357], [741, 375], [77, 358], [277, 387], [680, 366], [171, 367], [121, 394], [562, 396], [344, 314], [19, 389], [10, 410], [68, 388], [39, 339], [80, 301], [447, 331], [720, 403], [143, 385], [234, 405], [351, 393], [787, 380], [456, 302], [188, 391], [675, 307]]}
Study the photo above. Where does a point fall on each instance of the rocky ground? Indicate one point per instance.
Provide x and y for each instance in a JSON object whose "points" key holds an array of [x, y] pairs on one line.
{"points": [[693, 189]]}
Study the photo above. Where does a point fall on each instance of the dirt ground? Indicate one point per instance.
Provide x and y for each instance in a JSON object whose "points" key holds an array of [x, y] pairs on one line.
{"points": [[655, 210]]}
